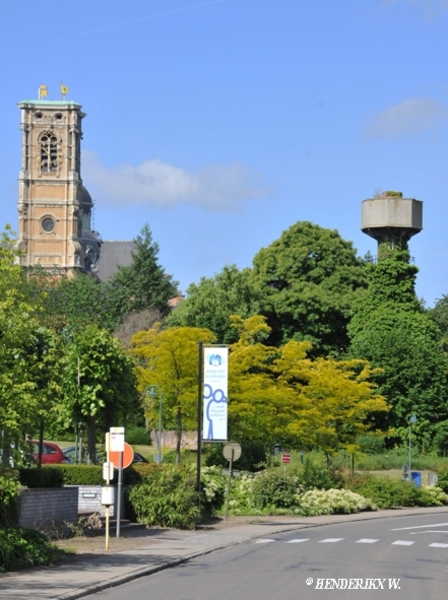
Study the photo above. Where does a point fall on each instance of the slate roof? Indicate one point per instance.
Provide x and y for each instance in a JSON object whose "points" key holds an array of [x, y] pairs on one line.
{"points": [[113, 254]]}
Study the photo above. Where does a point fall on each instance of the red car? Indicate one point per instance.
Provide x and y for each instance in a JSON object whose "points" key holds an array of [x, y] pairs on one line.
{"points": [[51, 453]]}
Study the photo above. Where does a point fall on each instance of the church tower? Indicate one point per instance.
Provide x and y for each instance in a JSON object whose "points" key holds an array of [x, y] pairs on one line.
{"points": [[54, 207]]}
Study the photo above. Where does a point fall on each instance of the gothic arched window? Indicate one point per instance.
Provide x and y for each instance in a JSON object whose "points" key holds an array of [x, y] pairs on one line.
{"points": [[49, 147]]}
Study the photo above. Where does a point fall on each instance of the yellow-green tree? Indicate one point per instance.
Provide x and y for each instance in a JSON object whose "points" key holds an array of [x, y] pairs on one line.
{"points": [[332, 402], [169, 359]]}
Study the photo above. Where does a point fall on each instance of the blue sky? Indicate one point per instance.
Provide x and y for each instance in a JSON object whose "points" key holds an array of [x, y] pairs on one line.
{"points": [[221, 123]]}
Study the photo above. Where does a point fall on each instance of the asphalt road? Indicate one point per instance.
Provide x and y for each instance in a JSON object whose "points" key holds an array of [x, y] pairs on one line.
{"points": [[386, 558]]}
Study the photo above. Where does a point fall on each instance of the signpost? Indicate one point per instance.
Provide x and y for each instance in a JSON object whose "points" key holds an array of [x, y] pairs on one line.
{"points": [[121, 455], [286, 459], [231, 452]]}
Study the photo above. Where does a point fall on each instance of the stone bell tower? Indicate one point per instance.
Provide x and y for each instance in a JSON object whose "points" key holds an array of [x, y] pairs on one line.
{"points": [[51, 194]]}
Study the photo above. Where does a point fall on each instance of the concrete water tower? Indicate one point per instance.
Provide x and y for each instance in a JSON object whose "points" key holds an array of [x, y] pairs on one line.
{"points": [[391, 220]]}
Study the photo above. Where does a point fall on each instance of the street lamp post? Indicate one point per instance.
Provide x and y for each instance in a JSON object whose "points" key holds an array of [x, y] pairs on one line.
{"points": [[412, 420], [155, 392]]}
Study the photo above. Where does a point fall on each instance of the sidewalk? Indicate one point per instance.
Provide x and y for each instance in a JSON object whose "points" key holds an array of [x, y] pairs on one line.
{"points": [[89, 573]]}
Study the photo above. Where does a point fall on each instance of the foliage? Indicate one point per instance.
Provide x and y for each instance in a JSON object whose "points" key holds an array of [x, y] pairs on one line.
{"points": [[135, 322], [29, 353], [169, 359], [9, 496], [69, 301], [167, 498], [137, 435], [45, 477], [210, 303], [100, 384], [442, 477], [253, 456], [275, 488], [317, 476], [309, 279], [390, 330], [21, 548], [332, 501], [213, 487], [390, 493], [141, 285], [439, 314]]}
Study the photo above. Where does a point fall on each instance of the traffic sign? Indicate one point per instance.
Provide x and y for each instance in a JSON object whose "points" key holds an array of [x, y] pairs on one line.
{"points": [[227, 451], [128, 457], [286, 458]]}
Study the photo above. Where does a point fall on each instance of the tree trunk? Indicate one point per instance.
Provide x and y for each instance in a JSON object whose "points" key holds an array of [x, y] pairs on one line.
{"points": [[91, 441], [179, 435]]}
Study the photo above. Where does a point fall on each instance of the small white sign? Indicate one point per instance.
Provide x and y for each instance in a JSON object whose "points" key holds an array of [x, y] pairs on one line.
{"points": [[108, 471], [117, 439], [107, 495]]}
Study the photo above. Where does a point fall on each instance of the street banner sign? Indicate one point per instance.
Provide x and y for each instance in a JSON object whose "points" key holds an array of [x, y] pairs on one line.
{"points": [[214, 423]]}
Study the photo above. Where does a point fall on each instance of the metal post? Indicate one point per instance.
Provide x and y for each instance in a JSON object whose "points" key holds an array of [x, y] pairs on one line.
{"points": [[120, 481], [412, 420], [200, 392], [154, 391], [107, 483]]}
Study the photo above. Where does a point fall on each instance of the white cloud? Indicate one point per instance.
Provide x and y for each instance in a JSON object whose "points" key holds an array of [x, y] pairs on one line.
{"points": [[409, 117], [215, 187]]}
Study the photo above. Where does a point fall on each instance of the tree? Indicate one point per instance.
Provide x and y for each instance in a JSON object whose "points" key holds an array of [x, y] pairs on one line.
{"points": [[210, 303], [169, 359], [141, 285], [309, 279], [100, 384], [439, 314], [73, 302], [282, 394], [391, 330], [28, 353]]}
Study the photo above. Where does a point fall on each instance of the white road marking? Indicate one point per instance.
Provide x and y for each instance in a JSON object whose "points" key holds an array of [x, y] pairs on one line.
{"points": [[436, 545], [367, 541], [402, 543], [264, 541], [297, 541], [421, 526], [429, 531], [331, 540]]}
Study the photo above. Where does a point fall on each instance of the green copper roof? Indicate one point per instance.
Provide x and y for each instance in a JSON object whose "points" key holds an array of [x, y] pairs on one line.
{"points": [[51, 102]]}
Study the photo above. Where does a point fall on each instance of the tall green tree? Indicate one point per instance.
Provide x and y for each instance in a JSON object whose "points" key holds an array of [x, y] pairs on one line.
{"points": [[391, 330], [210, 303], [28, 353], [309, 280], [141, 285], [99, 383]]}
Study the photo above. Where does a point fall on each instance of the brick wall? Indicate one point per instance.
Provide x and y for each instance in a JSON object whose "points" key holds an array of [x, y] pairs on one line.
{"points": [[44, 508]]}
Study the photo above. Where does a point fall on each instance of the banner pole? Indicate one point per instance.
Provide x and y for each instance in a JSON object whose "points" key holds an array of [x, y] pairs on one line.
{"points": [[200, 393]]}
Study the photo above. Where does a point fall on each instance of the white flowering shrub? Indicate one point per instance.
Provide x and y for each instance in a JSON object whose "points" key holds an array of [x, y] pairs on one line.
{"points": [[327, 502], [433, 496], [213, 485]]}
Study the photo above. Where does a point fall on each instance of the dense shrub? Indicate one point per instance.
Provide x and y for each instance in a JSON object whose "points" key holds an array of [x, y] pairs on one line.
{"points": [[167, 498], [317, 476], [389, 493], [21, 548], [45, 477], [274, 488], [442, 477], [328, 502], [213, 487], [253, 457], [9, 496]]}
